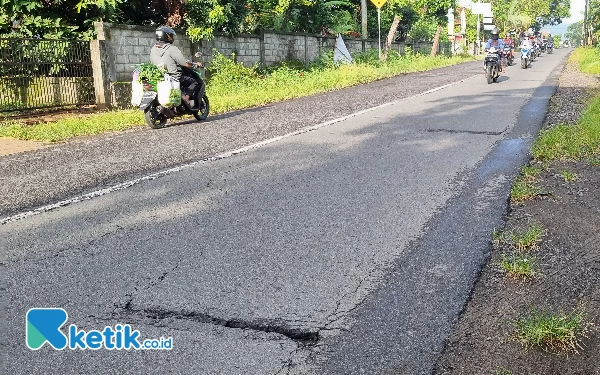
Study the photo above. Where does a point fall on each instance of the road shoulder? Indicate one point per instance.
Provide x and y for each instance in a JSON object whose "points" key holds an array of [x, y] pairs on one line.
{"points": [[566, 260]]}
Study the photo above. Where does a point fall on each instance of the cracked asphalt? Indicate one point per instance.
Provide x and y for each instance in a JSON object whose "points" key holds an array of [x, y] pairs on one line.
{"points": [[347, 249]]}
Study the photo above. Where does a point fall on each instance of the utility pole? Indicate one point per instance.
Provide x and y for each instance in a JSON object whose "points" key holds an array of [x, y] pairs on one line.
{"points": [[363, 18], [585, 25], [476, 52]]}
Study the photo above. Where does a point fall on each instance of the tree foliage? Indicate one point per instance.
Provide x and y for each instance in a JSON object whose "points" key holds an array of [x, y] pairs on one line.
{"points": [[418, 19], [53, 19]]}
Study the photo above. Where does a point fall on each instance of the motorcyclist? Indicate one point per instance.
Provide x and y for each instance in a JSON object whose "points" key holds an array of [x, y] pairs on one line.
{"points": [[550, 40], [509, 42], [538, 40], [165, 54], [495, 41]]}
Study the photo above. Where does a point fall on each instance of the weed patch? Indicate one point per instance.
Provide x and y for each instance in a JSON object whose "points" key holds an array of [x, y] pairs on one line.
{"points": [[524, 189], [552, 332], [569, 176], [518, 266], [525, 239]]}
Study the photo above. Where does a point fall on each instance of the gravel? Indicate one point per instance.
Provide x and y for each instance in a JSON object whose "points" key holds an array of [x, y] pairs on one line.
{"points": [[573, 95]]}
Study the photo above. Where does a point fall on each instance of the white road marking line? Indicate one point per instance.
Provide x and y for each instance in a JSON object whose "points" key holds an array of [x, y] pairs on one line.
{"points": [[224, 155]]}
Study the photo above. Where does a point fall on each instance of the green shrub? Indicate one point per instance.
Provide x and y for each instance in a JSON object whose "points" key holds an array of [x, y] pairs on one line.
{"points": [[228, 73]]}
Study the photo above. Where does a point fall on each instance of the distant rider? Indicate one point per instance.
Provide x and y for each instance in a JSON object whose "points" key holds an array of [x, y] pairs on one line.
{"points": [[508, 41], [495, 41], [165, 54]]}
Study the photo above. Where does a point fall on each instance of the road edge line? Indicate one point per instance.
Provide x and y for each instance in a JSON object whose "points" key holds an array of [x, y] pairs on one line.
{"points": [[224, 155]]}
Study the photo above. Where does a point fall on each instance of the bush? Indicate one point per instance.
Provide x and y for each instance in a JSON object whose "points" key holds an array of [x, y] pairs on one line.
{"points": [[228, 73]]}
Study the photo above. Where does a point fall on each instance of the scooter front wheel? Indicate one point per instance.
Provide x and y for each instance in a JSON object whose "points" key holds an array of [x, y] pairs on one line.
{"points": [[202, 114], [523, 63]]}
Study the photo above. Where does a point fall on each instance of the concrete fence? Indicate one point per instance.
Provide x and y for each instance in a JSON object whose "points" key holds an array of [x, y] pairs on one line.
{"points": [[118, 48]]}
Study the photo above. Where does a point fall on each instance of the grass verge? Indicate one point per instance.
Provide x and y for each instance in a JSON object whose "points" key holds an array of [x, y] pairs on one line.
{"points": [[571, 142], [68, 127], [552, 332], [588, 59], [233, 87]]}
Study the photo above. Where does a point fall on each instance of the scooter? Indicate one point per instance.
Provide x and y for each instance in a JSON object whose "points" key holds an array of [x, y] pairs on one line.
{"points": [[525, 57], [156, 114], [492, 65], [510, 56]]}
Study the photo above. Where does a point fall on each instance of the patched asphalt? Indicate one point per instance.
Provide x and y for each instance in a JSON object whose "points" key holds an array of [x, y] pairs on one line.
{"points": [[348, 249]]}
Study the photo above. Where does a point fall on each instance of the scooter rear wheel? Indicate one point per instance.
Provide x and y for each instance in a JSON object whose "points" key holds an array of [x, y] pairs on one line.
{"points": [[154, 120]]}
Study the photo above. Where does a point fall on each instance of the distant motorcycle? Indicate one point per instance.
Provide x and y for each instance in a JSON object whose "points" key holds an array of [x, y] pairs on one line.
{"points": [[492, 65], [533, 53], [550, 47], [510, 56], [525, 57]]}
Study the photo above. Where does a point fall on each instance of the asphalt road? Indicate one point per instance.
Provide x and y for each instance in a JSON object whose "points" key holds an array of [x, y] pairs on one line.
{"points": [[350, 248]]}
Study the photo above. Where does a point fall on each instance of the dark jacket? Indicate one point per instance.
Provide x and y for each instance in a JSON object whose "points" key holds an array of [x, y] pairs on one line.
{"points": [[168, 56]]}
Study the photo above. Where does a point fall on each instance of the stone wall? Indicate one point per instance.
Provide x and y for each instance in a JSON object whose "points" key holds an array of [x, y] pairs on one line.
{"points": [[118, 48]]}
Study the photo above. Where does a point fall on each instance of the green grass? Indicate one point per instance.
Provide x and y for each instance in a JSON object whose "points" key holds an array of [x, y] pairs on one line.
{"points": [[524, 189], [236, 87], [552, 332], [289, 83], [588, 59], [530, 172], [569, 176], [524, 239], [571, 142], [500, 370], [69, 127], [518, 266]]}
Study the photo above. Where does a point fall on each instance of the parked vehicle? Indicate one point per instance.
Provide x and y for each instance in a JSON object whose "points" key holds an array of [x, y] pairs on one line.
{"points": [[525, 57], [160, 103], [492, 64]]}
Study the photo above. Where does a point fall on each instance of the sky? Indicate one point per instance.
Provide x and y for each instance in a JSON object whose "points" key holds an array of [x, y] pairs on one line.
{"points": [[577, 7]]}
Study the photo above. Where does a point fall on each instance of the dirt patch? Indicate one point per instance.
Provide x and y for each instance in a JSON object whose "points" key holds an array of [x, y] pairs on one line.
{"points": [[48, 115], [568, 259], [10, 146]]}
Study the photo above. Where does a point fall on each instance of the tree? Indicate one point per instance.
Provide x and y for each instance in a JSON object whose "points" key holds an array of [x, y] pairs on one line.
{"points": [[573, 34], [558, 10], [436, 10], [53, 19], [593, 21]]}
